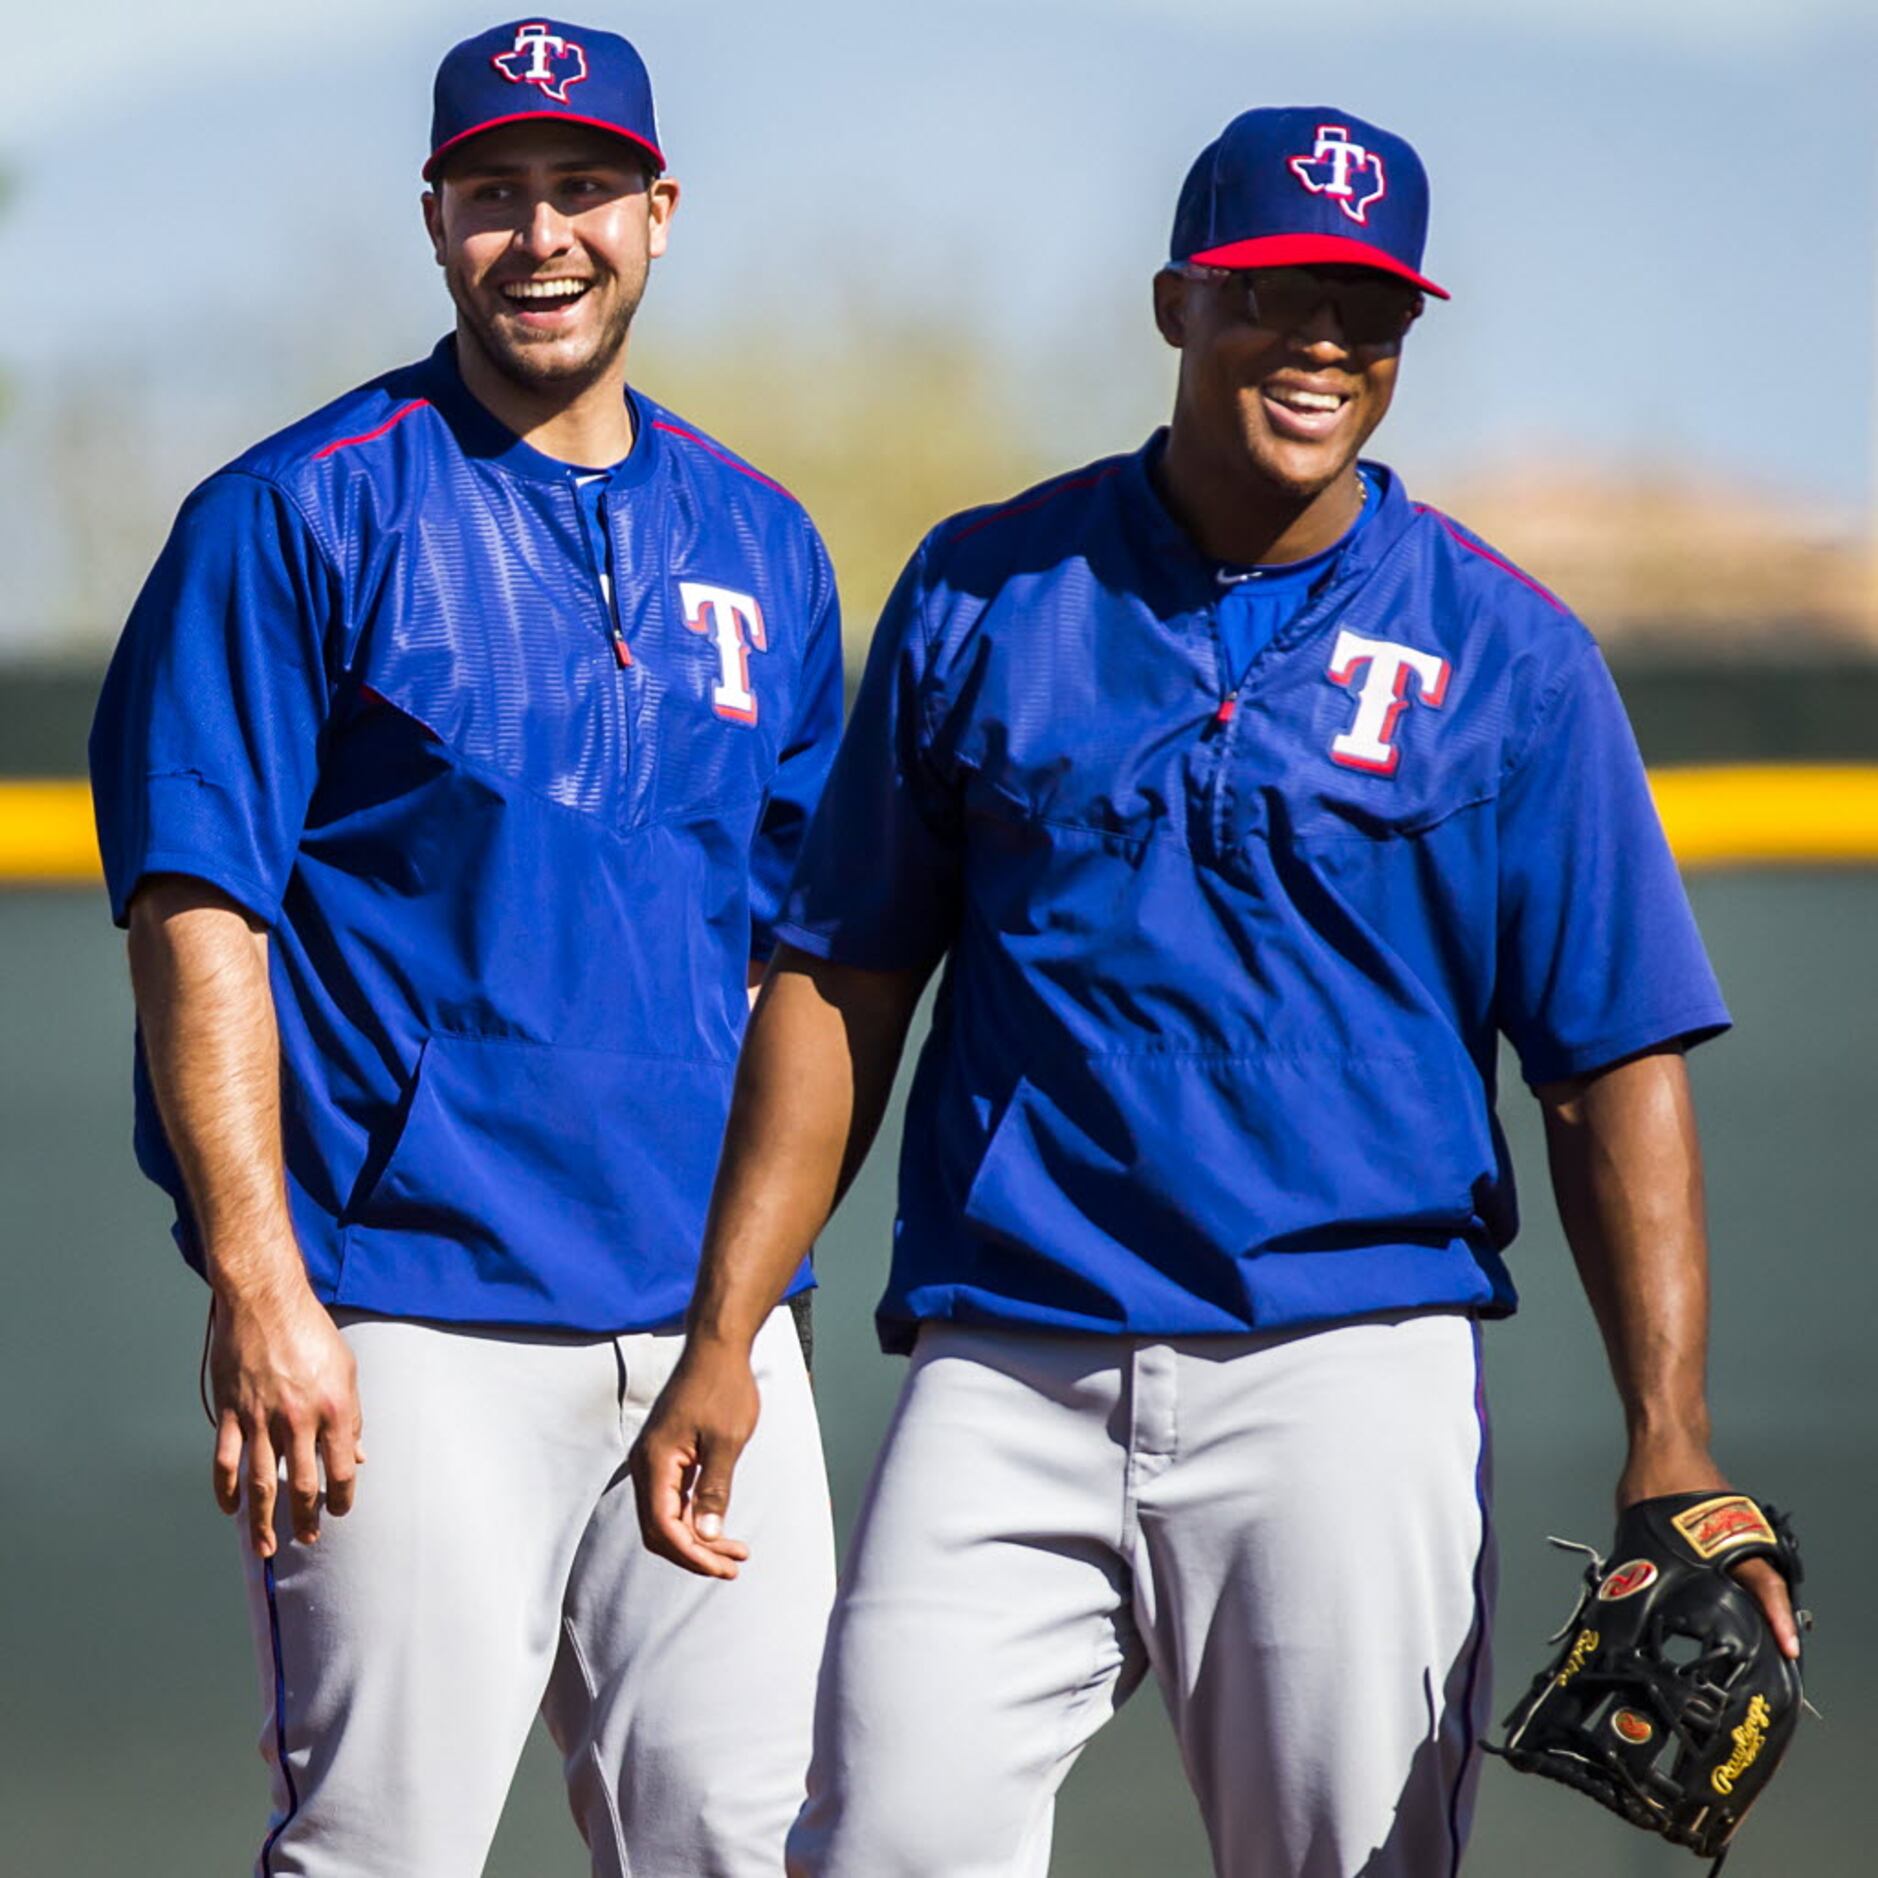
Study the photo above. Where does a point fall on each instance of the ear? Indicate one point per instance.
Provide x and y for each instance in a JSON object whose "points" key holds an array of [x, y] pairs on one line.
{"points": [[661, 206], [1170, 306], [432, 204]]}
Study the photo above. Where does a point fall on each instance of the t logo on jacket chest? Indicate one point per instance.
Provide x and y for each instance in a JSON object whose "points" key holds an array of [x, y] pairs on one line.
{"points": [[1382, 695], [734, 623]]}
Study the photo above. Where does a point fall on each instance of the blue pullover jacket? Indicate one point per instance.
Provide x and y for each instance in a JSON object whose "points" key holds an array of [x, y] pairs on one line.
{"points": [[516, 790]]}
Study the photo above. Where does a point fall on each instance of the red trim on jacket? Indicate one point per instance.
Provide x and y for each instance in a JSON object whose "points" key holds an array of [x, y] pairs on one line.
{"points": [[1487, 554], [723, 456], [365, 436], [1036, 501]]}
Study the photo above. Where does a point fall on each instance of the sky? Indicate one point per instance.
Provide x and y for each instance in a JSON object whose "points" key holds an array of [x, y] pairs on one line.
{"points": [[124, 46], [1659, 218]]}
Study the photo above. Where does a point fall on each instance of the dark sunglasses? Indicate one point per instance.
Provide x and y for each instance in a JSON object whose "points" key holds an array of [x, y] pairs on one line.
{"points": [[1372, 309]]}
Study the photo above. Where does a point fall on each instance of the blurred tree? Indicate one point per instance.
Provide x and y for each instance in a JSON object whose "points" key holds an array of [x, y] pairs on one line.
{"points": [[6, 382], [881, 431], [1670, 555]]}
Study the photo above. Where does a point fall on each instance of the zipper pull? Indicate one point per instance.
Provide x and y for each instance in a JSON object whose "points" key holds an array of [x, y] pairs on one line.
{"points": [[1228, 710], [622, 653]]}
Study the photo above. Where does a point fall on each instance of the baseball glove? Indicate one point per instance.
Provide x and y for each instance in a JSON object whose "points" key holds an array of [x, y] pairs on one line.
{"points": [[1669, 1701]]}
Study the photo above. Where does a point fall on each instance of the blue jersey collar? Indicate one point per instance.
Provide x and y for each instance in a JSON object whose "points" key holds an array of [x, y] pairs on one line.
{"points": [[483, 436], [1361, 550]]}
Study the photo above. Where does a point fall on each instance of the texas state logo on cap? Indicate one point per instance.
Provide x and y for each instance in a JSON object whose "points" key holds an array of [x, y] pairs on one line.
{"points": [[1299, 185], [540, 68]]}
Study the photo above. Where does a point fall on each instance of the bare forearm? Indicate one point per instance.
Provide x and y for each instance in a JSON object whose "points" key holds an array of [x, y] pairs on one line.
{"points": [[284, 1383], [1627, 1171], [812, 1084], [199, 970]]}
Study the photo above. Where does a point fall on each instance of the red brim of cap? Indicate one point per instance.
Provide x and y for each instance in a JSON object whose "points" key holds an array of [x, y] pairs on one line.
{"points": [[429, 171], [1313, 250]]}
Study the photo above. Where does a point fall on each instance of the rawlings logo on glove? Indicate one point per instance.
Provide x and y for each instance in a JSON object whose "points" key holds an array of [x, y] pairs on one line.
{"points": [[1749, 1739]]}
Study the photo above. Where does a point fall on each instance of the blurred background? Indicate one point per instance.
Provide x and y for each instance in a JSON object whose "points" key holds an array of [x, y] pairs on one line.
{"points": [[910, 272]]}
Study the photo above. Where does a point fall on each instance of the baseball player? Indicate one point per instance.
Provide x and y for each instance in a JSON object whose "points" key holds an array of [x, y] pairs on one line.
{"points": [[1248, 803], [449, 774]]}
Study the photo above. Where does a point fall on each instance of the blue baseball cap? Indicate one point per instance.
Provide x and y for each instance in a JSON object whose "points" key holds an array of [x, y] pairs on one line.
{"points": [[542, 69], [1304, 185]]}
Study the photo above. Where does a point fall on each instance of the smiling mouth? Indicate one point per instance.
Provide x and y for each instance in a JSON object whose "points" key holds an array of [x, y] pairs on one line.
{"points": [[544, 296], [1306, 415]]}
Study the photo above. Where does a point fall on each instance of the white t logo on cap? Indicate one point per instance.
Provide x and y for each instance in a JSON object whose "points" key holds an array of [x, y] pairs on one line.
{"points": [[1347, 172], [541, 58]]}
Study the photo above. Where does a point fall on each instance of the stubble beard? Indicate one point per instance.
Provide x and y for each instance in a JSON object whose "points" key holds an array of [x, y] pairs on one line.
{"points": [[542, 368], [1299, 483]]}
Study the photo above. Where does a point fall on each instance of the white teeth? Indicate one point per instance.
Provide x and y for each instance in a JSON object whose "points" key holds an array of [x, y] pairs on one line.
{"points": [[545, 289], [1307, 400]]}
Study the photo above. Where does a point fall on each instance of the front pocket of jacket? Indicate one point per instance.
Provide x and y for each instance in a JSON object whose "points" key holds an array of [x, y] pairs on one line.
{"points": [[510, 1147], [1174, 1158]]}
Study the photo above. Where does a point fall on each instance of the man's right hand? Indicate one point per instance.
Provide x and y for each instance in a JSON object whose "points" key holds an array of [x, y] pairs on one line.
{"points": [[282, 1381], [685, 1456], [284, 1386], [813, 1079]]}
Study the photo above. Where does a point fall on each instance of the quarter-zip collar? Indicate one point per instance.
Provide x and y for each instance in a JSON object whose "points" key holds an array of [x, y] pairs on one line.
{"points": [[1194, 574], [486, 439]]}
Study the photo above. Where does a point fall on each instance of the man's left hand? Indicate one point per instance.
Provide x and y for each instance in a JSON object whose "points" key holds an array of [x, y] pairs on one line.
{"points": [[1654, 1470]]}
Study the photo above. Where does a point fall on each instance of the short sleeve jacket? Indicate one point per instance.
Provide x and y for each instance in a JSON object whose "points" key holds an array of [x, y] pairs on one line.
{"points": [[516, 829], [1228, 954]]}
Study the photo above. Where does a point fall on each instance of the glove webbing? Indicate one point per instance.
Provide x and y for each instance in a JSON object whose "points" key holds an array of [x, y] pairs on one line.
{"points": [[1721, 1857]]}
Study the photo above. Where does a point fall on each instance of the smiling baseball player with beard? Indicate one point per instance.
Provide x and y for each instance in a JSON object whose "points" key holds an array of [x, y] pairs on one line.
{"points": [[1249, 804], [448, 776]]}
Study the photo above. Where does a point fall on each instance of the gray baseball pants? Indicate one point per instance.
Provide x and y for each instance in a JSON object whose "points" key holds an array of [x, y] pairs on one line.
{"points": [[1290, 1531], [492, 1567]]}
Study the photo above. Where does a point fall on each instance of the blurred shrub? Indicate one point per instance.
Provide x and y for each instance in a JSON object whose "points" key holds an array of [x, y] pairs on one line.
{"points": [[882, 425], [1670, 560], [881, 433]]}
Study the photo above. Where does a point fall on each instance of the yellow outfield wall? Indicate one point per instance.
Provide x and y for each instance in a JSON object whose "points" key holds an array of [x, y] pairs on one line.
{"points": [[46, 834], [1734, 815], [1770, 814]]}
